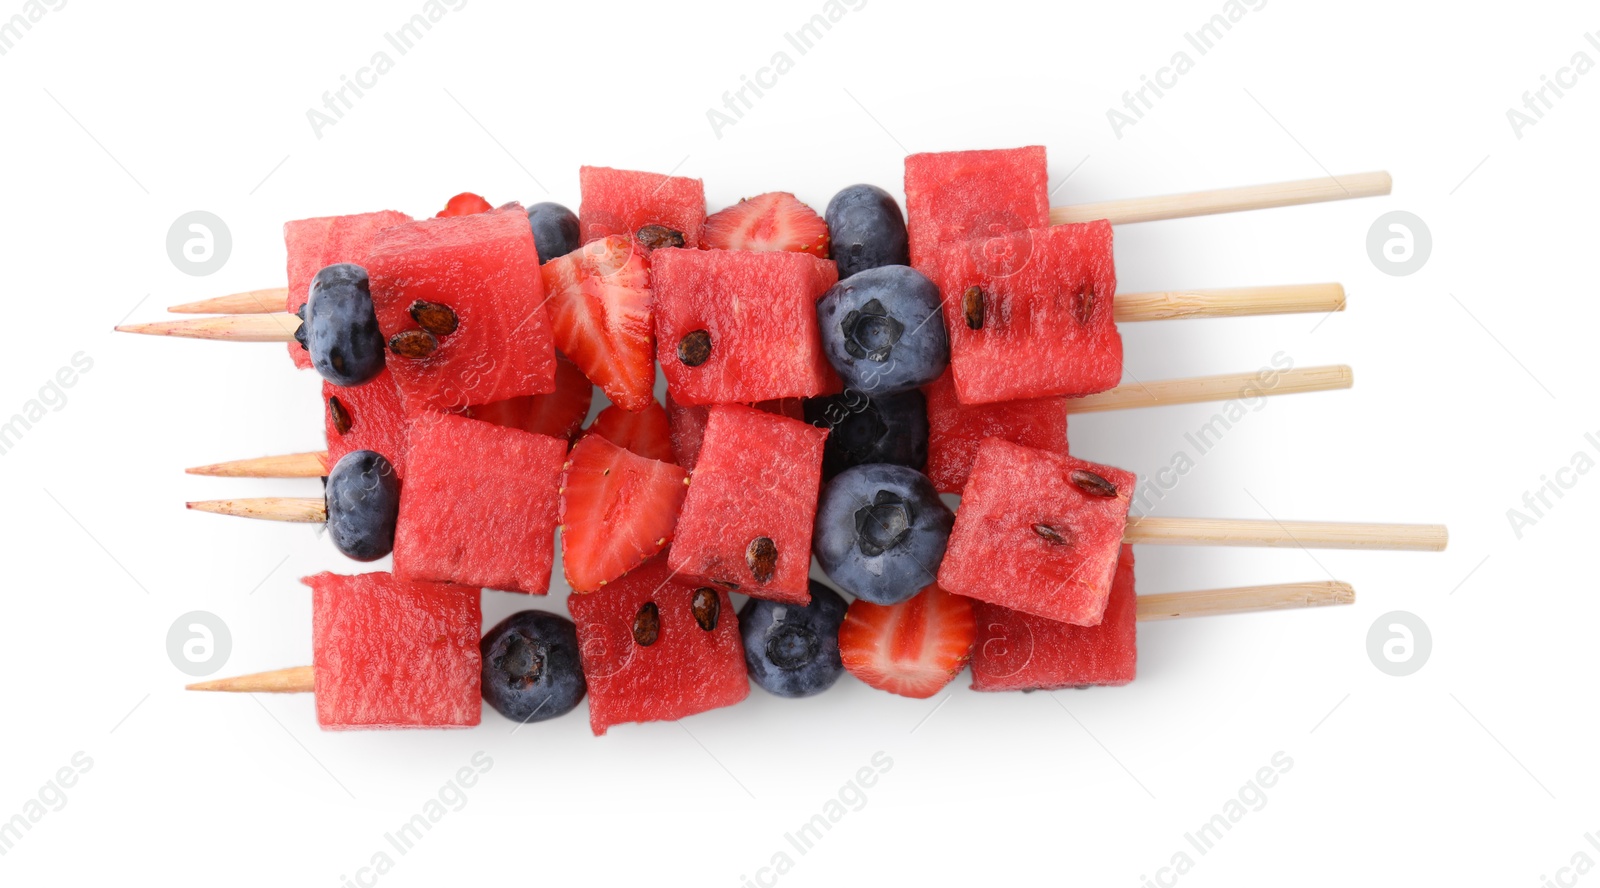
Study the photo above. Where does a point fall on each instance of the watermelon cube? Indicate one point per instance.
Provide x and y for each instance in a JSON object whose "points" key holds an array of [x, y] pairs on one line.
{"points": [[1037, 532], [480, 505], [746, 522], [315, 244], [958, 196], [1045, 323], [366, 417], [740, 326], [1020, 652], [657, 648], [485, 269], [394, 654], [688, 424], [623, 201], [954, 430]]}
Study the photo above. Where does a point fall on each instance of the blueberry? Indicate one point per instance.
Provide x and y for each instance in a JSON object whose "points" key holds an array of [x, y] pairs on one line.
{"points": [[793, 651], [882, 330], [555, 230], [363, 497], [530, 666], [888, 429], [867, 230], [340, 328], [881, 532]]}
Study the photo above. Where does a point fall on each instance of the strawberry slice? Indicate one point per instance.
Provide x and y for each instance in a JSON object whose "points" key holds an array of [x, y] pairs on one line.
{"points": [[617, 510], [646, 432], [913, 648], [599, 298], [464, 204], [767, 222], [559, 414]]}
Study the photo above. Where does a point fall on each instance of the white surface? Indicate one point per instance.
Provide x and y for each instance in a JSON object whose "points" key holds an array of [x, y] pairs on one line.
{"points": [[1479, 768]]}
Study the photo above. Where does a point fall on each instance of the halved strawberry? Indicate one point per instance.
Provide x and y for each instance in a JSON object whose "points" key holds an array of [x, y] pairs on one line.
{"points": [[599, 298], [646, 432], [559, 414], [767, 222], [464, 204], [913, 648], [617, 510]]}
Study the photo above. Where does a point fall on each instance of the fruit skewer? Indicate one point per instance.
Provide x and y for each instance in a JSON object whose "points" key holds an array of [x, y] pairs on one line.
{"points": [[1161, 606], [314, 464], [1118, 212], [280, 326]]}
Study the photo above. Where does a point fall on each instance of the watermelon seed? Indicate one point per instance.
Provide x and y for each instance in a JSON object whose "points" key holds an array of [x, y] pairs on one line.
{"points": [[972, 307], [654, 237], [647, 624], [1052, 536], [727, 584], [1085, 305], [707, 606], [415, 344], [694, 348], [1092, 484], [339, 415], [762, 557], [434, 317]]}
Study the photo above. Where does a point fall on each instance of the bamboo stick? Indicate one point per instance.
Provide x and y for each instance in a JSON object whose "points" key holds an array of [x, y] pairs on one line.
{"points": [[313, 464], [294, 680], [277, 327], [267, 301], [1214, 388], [1230, 303], [1227, 200], [1245, 599], [1285, 534], [268, 508]]}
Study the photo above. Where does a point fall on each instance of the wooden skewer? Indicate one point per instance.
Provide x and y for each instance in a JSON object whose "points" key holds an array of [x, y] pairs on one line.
{"points": [[277, 327], [1219, 303], [1286, 534], [1230, 303], [269, 508], [1227, 200], [294, 680], [1214, 388], [312, 464], [1126, 397], [1243, 600], [1166, 606], [267, 301]]}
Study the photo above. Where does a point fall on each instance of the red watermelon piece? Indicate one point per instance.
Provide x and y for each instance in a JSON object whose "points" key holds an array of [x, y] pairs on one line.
{"points": [[623, 201], [746, 522], [315, 244], [686, 668], [366, 417], [1038, 532], [1047, 319], [688, 424], [956, 196], [647, 432], [394, 654], [617, 510], [559, 414], [754, 323], [485, 268], [480, 505], [954, 430], [1020, 652]]}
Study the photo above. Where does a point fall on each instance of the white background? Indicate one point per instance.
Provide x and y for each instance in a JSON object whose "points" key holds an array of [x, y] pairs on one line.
{"points": [[1473, 382]]}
